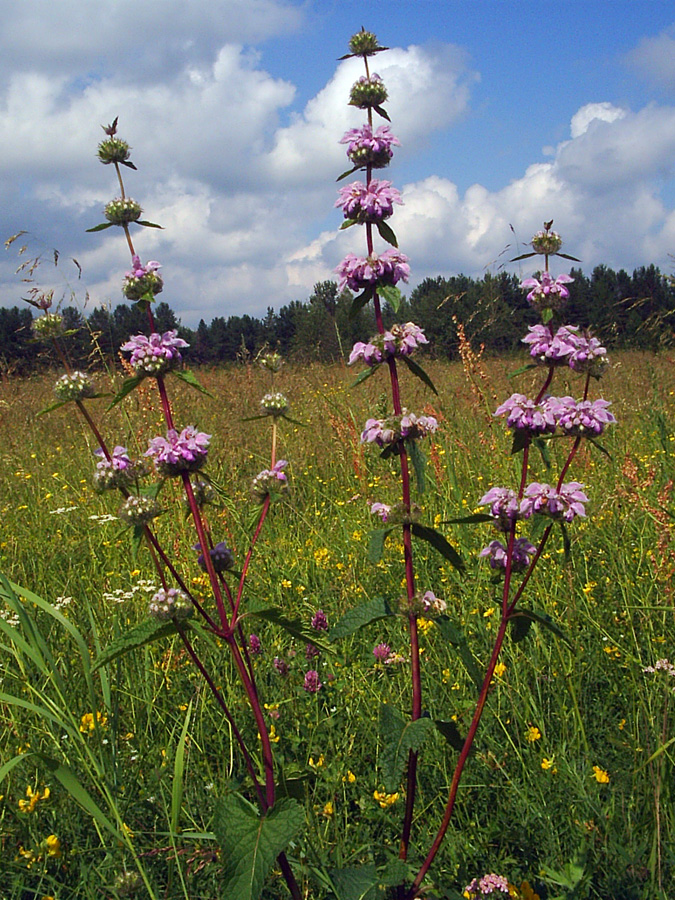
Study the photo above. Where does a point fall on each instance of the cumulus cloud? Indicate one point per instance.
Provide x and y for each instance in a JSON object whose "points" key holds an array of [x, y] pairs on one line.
{"points": [[654, 58]]}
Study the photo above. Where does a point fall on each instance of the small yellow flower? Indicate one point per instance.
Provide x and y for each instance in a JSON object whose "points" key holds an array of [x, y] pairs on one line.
{"points": [[88, 722], [34, 797], [500, 668], [385, 800], [622, 724], [274, 737], [285, 583], [533, 734], [547, 764], [53, 845], [350, 777], [424, 626], [319, 763], [328, 810], [600, 775]]}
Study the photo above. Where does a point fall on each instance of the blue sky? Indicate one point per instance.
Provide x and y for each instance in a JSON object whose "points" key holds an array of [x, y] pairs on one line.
{"points": [[509, 113]]}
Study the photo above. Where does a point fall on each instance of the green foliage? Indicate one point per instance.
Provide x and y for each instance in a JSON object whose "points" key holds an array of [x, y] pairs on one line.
{"points": [[399, 738]]}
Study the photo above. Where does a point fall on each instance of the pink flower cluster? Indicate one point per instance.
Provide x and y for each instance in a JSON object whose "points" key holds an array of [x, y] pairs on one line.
{"points": [[573, 417], [397, 428], [369, 148], [370, 202], [376, 270], [497, 554], [177, 453], [142, 279], [547, 293], [488, 884], [567, 347], [272, 480], [156, 353], [399, 340], [119, 471], [566, 503]]}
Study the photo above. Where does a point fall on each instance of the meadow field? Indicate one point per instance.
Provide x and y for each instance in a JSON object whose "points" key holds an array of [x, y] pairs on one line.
{"points": [[111, 772]]}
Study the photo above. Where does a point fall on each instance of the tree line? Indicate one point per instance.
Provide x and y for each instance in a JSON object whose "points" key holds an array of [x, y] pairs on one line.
{"points": [[625, 311]]}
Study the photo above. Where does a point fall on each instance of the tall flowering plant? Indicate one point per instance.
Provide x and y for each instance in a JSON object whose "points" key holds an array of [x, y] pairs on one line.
{"points": [[533, 421]]}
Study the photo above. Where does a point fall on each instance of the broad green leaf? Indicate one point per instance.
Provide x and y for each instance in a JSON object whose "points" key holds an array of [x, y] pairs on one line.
{"points": [[376, 542], [542, 619], [356, 882], [543, 450], [250, 843], [473, 519], [365, 374], [382, 112], [419, 461], [179, 773], [362, 615], [40, 712], [361, 300], [450, 733], [419, 372], [190, 379], [395, 872], [128, 386], [144, 633], [13, 762], [295, 627], [523, 369], [386, 233], [399, 737], [79, 793], [100, 227], [391, 295], [520, 627], [148, 224], [521, 439], [438, 542], [454, 634], [347, 224]]}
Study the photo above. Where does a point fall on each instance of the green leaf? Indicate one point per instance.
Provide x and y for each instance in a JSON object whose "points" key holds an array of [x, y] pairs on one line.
{"points": [[348, 173], [190, 379], [358, 302], [365, 374], [454, 634], [179, 773], [520, 627], [79, 793], [100, 227], [521, 439], [347, 224], [546, 315], [48, 409], [250, 843], [148, 224], [523, 369], [146, 632], [391, 295], [438, 542], [419, 372], [376, 542], [599, 447], [355, 882], [419, 461], [382, 112], [399, 737], [450, 733], [543, 450], [523, 256], [295, 627], [128, 386], [386, 233], [566, 256], [353, 619], [542, 619]]}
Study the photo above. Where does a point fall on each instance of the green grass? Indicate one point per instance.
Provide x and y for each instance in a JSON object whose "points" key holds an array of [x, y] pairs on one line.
{"points": [[164, 754]]}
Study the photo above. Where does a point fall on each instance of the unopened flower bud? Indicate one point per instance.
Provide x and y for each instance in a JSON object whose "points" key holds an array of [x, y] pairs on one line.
{"points": [[363, 43], [139, 510], [122, 211], [368, 92], [271, 361], [113, 150], [76, 386], [274, 404], [546, 242], [170, 604], [48, 327]]}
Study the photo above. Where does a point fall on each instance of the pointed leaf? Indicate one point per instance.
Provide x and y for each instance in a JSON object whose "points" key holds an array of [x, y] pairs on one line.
{"points": [[250, 843], [365, 374], [391, 295], [523, 256], [100, 227], [353, 619], [358, 302], [450, 732], [567, 256], [438, 542], [127, 163], [386, 233], [454, 634], [544, 620], [79, 793], [179, 773], [419, 461], [348, 173], [347, 224], [128, 386], [599, 447], [295, 627], [382, 112], [419, 372], [48, 409], [399, 737], [190, 379], [356, 882], [521, 439], [523, 369], [543, 450], [469, 520], [148, 224], [144, 633], [376, 542], [520, 627], [546, 315]]}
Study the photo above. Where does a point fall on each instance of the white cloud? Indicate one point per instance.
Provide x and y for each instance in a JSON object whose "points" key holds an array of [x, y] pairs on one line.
{"points": [[654, 58], [602, 112]]}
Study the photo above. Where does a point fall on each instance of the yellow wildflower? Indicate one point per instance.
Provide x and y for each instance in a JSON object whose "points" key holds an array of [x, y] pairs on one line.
{"points": [[424, 626], [53, 845], [319, 763], [350, 777], [500, 668], [533, 734], [385, 800], [547, 764], [88, 722], [600, 775], [274, 737], [328, 809], [34, 797]]}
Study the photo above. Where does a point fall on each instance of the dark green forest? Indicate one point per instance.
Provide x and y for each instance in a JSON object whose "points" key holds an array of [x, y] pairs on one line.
{"points": [[625, 311]]}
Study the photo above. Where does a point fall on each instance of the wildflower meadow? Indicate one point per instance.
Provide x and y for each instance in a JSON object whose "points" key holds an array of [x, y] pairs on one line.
{"points": [[391, 628]]}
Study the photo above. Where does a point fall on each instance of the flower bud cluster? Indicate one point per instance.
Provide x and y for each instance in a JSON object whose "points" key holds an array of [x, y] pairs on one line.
{"points": [[203, 493], [497, 554], [364, 43], [547, 293], [221, 557], [567, 347], [274, 404], [142, 279], [155, 354], [396, 428], [368, 92], [370, 202], [370, 148], [397, 514], [75, 386], [48, 326], [120, 471], [573, 417], [113, 150], [178, 453], [122, 211], [546, 242], [272, 361], [270, 481], [139, 510], [170, 604], [376, 270], [564, 503], [399, 340]]}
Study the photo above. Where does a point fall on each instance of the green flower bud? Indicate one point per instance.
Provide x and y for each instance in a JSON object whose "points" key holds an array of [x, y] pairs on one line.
{"points": [[546, 242], [368, 92], [274, 405], [122, 210], [364, 43], [76, 386], [113, 150], [139, 510], [271, 361], [48, 327]]}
